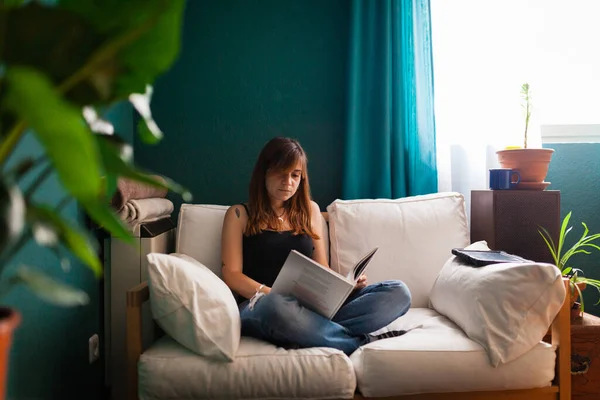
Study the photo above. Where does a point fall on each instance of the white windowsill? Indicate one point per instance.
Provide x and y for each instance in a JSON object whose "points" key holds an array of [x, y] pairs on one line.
{"points": [[582, 133]]}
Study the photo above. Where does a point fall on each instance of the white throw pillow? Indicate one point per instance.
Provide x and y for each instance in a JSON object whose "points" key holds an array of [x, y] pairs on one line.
{"points": [[506, 307], [193, 306]]}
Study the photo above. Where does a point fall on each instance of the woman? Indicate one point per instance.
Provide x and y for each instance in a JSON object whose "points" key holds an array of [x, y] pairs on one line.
{"points": [[257, 238]]}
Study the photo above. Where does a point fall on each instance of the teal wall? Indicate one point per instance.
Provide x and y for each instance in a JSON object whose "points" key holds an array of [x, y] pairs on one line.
{"points": [[248, 71], [575, 171]]}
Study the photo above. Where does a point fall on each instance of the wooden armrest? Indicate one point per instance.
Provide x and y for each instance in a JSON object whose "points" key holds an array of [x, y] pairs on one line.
{"points": [[136, 297], [561, 337]]}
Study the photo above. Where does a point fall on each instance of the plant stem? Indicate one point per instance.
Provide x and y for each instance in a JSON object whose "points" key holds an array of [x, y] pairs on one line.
{"points": [[526, 122], [8, 145]]}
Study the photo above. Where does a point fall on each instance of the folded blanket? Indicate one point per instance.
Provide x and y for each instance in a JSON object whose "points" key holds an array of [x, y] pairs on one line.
{"points": [[128, 189], [146, 210]]}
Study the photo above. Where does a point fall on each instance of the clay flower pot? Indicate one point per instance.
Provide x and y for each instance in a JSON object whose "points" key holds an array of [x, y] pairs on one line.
{"points": [[9, 320], [532, 164]]}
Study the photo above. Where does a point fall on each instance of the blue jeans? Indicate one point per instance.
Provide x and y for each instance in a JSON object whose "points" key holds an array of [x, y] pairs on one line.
{"points": [[282, 321]]}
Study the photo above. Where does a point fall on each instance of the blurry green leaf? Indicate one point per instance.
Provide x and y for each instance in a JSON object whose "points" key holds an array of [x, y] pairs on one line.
{"points": [[51, 290], [12, 3], [106, 217], [155, 51], [146, 35], [12, 214], [58, 43], [59, 127], [149, 132], [112, 16], [81, 244], [115, 164], [111, 185]]}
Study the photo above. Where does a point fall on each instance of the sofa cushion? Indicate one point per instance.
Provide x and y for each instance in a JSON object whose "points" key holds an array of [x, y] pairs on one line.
{"points": [[506, 307], [199, 233], [260, 371], [193, 305], [415, 235], [438, 357]]}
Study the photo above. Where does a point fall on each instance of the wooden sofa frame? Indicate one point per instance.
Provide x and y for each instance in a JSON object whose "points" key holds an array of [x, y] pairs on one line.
{"points": [[560, 333]]}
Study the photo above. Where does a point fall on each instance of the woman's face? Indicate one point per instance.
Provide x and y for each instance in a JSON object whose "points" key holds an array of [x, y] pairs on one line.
{"points": [[281, 185]]}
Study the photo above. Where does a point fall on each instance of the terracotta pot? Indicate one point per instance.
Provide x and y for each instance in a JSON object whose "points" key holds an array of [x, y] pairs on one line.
{"points": [[532, 164], [9, 320]]}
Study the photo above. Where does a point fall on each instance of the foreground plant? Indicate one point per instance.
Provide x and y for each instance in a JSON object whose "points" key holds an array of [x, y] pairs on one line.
{"points": [[55, 63]]}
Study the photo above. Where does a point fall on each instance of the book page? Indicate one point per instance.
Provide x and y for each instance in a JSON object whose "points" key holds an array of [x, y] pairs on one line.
{"points": [[316, 287], [361, 265]]}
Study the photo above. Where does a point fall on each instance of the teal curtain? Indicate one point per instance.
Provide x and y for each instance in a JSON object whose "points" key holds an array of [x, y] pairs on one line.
{"points": [[390, 137]]}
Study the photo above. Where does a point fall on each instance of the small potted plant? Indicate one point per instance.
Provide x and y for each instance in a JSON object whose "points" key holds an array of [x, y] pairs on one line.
{"points": [[532, 163], [586, 243]]}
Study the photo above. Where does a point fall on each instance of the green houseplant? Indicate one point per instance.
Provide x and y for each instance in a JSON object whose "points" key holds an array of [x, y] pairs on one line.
{"points": [[562, 256], [57, 59], [532, 163]]}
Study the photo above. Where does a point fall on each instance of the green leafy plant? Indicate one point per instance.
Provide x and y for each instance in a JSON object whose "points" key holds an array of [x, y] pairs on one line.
{"points": [[62, 65], [526, 104], [561, 256]]}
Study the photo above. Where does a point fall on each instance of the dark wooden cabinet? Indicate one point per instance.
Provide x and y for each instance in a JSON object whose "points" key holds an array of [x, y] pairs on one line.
{"points": [[509, 220]]}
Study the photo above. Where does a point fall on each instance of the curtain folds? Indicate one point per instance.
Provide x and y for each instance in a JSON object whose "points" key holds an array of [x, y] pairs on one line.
{"points": [[390, 136]]}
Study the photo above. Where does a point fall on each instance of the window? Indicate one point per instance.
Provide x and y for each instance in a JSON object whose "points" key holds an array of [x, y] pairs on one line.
{"points": [[484, 50]]}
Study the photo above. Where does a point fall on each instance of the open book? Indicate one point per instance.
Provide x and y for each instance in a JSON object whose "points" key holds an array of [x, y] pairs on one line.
{"points": [[316, 287]]}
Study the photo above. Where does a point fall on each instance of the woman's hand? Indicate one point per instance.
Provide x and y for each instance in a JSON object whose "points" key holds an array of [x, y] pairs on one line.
{"points": [[361, 282]]}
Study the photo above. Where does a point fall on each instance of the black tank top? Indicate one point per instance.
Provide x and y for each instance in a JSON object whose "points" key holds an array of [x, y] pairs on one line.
{"points": [[265, 253]]}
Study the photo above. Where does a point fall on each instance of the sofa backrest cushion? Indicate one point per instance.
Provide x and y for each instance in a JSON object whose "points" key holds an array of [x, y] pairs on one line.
{"points": [[415, 236], [199, 233]]}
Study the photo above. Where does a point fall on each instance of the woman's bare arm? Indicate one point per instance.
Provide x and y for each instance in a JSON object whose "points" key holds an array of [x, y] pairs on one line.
{"points": [[320, 254], [235, 221]]}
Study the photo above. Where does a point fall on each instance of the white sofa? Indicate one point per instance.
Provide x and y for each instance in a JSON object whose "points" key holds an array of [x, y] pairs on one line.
{"points": [[436, 356]]}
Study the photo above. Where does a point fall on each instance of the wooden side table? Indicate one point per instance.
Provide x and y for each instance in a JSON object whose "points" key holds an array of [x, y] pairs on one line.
{"points": [[585, 358], [509, 220]]}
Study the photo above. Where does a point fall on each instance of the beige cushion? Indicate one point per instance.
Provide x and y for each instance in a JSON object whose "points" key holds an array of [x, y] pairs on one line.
{"points": [[260, 371], [507, 307], [438, 357], [199, 233], [415, 236], [193, 306]]}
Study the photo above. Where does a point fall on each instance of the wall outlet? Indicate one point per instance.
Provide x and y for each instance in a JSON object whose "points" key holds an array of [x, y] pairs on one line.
{"points": [[94, 348]]}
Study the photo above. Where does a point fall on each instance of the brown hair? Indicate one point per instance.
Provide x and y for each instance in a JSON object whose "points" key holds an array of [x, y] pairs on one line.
{"points": [[280, 154]]}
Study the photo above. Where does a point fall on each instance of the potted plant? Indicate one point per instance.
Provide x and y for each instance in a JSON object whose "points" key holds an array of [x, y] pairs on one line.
{"points": [[532, 163], [55, 62], [561, 256]]}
